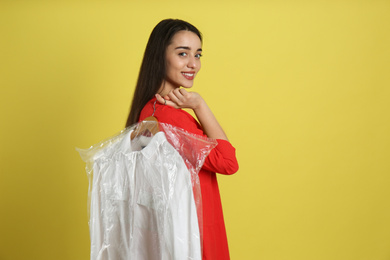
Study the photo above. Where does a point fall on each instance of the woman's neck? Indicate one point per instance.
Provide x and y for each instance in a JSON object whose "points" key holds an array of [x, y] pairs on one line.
{"points": [[165, 88]]}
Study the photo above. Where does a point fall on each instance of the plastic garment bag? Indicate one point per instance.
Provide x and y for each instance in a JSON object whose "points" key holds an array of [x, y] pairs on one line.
{"points": [[144, 194]]}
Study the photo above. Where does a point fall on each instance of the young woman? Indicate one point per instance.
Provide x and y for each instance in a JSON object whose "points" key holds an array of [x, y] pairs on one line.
{"points": [[171, 61]]}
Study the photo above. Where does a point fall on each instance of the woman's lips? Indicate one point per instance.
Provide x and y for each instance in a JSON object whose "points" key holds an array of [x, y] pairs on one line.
{"points": [[188, 75]]}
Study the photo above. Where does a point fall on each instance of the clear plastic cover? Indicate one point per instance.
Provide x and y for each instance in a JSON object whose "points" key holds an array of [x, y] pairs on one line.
{"points": [[144, 193]]}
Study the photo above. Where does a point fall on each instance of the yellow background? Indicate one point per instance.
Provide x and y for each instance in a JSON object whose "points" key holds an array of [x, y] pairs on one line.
{"points": [[301, 87]]}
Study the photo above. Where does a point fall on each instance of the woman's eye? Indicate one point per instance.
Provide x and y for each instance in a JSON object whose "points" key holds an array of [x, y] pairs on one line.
{"points": [[183, 54], [198, 56]]}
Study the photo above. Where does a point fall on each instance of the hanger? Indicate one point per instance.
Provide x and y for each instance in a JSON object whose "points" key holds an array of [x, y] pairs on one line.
{"points": [[149, 126]]}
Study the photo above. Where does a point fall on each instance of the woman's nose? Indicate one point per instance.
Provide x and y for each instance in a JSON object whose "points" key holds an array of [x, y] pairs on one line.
{"points": [[192, 63]]}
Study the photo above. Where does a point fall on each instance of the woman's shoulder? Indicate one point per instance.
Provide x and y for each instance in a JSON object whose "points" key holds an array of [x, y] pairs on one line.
{"points": [[177, 117], [170, 115]]}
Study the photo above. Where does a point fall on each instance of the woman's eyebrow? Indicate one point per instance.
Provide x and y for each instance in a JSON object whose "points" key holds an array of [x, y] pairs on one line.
{"points": [[186, 48]]}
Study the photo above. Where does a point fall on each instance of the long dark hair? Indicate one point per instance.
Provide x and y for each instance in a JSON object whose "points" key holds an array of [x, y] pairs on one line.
{"points": [[153, 72]]}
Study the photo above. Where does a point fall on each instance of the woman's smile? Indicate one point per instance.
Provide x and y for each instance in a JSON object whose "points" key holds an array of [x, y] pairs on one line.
{"points": [[189, 75]]}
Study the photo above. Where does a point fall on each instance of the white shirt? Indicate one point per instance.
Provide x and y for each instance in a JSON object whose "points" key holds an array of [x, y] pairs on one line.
{"points": [[141, 201]]}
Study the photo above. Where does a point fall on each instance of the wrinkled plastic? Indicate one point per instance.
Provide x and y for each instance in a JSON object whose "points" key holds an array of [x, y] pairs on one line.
{"points": [[144, 194]]}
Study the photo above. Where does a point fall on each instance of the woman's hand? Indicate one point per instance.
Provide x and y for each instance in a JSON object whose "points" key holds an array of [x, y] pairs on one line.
{"points": [[180, 98]]}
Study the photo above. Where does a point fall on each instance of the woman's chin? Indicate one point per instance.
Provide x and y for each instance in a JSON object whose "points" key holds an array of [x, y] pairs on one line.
{"points": [[187, 86]]}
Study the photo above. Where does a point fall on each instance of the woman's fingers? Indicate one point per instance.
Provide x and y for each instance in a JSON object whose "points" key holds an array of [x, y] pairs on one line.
{"points": [[179, 98], [160, 99], [177, 93], [165, 101], [176, 97]]}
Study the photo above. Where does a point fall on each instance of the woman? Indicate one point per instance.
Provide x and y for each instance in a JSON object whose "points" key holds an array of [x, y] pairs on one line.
{"points": [[171, 61]]}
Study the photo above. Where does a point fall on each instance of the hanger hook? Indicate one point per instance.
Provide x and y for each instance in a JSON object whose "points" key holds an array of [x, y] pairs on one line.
{"points": [[154, 107]]}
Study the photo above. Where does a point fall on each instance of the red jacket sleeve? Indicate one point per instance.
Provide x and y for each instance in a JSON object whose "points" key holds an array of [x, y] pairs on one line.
{"points": [[222, 159]]}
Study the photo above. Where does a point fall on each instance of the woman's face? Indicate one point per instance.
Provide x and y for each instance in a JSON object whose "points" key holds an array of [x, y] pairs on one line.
{"points": [[182, 59]]}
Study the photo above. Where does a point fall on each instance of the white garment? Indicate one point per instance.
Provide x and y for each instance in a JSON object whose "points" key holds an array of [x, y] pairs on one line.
{"points": [[142, 205]]}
